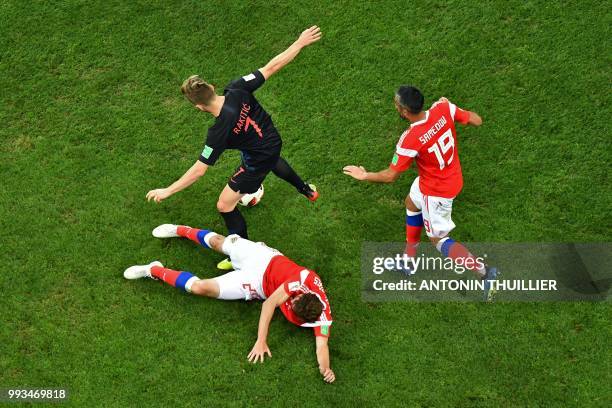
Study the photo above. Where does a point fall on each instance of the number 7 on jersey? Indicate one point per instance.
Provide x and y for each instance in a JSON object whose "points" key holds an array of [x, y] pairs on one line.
{"points": [[250, 122]]}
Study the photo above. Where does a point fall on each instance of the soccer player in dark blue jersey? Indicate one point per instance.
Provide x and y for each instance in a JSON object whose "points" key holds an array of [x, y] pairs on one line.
{"points": [[241, 123]]}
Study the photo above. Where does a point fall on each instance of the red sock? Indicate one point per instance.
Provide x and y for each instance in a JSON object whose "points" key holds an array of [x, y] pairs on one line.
{"points": [[413, 237], [414, 227], [167, 275], [189, 233], [455, 250]]}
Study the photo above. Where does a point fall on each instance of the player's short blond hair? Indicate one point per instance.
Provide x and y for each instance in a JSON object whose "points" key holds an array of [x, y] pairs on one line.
{"points": [[197, 90]]}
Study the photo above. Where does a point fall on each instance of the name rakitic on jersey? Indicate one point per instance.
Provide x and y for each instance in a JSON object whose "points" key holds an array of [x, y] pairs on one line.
{"points": [[244, 113]]}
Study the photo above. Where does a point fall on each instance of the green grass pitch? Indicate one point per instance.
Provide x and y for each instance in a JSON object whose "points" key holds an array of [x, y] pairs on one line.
{"points": [[92, 118]]}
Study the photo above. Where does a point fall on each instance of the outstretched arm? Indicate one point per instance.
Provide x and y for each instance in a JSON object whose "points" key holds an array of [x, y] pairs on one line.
{"points": [[464, 116], [475, 119], [307, 37], [387, 175], [191, 176], [323, 359], [260, 349]]}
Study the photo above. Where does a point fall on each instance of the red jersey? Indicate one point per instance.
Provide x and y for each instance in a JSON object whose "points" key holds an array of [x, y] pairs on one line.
{"points": [[433, 142], [296, 279]]}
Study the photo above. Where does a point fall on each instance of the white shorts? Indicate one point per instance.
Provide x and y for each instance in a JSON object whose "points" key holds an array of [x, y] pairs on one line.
{"points": [[436, 212], [250, 261]]}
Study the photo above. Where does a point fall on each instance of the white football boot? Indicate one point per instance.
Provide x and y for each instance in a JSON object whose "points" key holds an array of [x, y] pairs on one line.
{"points": [[165, 231], [140, 271]]}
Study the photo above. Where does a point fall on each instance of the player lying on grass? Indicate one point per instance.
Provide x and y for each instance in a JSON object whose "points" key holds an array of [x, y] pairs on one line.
{"points": [[241, 123], [260, 273], [431, 141]]}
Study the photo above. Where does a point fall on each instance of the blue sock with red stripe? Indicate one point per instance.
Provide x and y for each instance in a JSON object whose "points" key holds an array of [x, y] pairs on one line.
{"points": [[414, 227], [179, 279]]}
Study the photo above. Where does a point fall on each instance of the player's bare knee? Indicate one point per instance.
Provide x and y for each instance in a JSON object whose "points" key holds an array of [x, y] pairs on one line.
{"points": [[434, 240], [223, 206], [204, 287], [216, 242], [199, 288], [410, 205]]}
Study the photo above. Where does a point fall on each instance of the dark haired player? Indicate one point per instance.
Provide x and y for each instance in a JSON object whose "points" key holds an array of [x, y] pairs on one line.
{"points": [[431, 141], [260, 273], [241, 123]]}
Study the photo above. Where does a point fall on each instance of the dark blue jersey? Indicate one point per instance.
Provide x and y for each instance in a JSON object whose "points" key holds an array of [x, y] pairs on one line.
{"points": [[244, 125]]}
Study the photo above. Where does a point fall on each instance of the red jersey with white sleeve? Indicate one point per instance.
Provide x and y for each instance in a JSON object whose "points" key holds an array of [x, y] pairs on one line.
{"points": [[295, 279], [432, 142]]}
